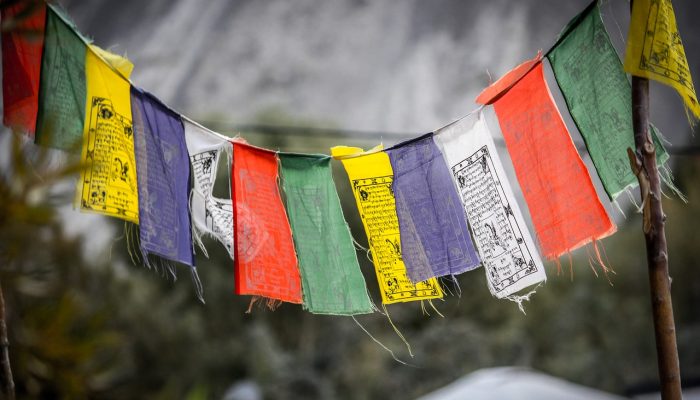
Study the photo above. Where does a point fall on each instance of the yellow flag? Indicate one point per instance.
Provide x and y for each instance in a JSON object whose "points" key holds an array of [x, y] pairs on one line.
{"points": [[371, 177], [655, 50], [108, 184]]}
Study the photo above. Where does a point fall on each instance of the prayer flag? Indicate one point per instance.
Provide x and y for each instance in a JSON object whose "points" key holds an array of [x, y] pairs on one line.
{"points": [[22, 44], [564, 206], [265, 262], [371, 179], [511, 260], [435, 239], [210, 215], [108, 184], [163, 178], [599, 98], [331, 279], [655, 49], [62, 96], [498, 88]]}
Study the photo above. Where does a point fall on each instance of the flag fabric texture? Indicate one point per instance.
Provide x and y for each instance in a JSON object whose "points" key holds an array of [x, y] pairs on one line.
{"points": [[563, 203], [511, 260], [655, 50], [265, 262], [331, 279], [210, 215], [108, 184], [371, 179], [163, 176], [435, 239], [599, 98], [22, 45], [62, 89], [501, 86]]}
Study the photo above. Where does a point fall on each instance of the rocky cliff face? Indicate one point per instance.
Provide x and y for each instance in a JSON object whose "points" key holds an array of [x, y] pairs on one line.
{"points": [[406, 65]]}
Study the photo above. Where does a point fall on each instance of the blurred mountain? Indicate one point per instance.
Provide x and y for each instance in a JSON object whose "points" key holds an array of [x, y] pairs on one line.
{"points": [[405, 65]]}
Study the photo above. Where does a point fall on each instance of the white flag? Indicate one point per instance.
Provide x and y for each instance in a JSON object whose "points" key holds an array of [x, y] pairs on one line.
{"points": [[210, 215], [509, 255]]}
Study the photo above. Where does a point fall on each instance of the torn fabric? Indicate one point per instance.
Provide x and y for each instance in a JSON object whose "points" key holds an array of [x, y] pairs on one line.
{"points": [[371, 179], [563, 203], [108, 184], [599, 98], [435, 239], [331, 279], [211, 215], [62, 96], [655, 50], [163, 178], [22, 45], [265, 262], [511, 260]]}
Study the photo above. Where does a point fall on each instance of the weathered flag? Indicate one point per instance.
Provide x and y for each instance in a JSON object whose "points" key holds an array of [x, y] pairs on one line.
{"points": [[108, 184], [563, 203], [331, 279], [265, 262], [511, 260], [22, 45], [371, 179], [435, 239], [599, 98]]}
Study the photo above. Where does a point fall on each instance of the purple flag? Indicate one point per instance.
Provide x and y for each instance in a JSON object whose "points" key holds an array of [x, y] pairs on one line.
{"points": [[163, 173], [435, 240]]}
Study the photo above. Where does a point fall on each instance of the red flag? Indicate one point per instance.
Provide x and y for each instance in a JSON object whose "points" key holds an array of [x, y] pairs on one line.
{"points": [[264, 259], [563, 203], [22, 45]]}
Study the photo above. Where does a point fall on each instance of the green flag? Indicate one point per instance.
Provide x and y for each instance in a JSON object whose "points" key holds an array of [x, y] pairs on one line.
{"points": [[599, 98], [331, 279], [62, 89]]}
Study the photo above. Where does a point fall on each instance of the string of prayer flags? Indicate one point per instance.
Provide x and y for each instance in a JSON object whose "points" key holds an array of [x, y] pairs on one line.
{"points": [[265, 262], [371, 178], [62, 89], [599, 98], [564, 206], [108, 184], [331, 279], [655, 50], [435, 239], [511, 260], [163, 176], [210, 215], [22, 44]]}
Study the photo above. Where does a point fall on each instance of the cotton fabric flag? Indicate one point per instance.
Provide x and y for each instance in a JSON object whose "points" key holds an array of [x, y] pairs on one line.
{"points": [[62, 91], [163, 178], [210, 215], [371, 178], [511, 260], [501, 86], [599, 98], [564, 206], [108, 185], [435, 239], [331, 279], [265, 262], [655, 50], [22, 45]]}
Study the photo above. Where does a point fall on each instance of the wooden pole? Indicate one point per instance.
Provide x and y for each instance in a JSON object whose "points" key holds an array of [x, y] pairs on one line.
{"points": [[643, 162], [7, 384]]}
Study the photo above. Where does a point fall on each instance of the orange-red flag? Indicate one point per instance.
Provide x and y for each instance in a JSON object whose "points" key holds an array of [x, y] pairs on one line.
{"points": [[21, 65], [563, 203], [265, 262]]}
